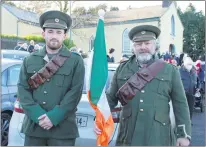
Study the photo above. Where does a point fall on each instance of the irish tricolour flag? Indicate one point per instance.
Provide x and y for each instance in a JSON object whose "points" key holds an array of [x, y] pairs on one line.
{"points": [[97, 72]]}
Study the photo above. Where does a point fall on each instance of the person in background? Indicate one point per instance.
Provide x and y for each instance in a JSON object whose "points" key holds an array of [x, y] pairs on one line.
{"points": [[23, 47], [200, 68], [189, 80], [19, 44], [167, 56], [36, 47], [124, 58], [31, 46], [110, 57]]}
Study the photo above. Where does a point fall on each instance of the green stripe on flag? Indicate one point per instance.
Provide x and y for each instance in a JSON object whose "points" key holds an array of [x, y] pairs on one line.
{"points": [[99, 70]]}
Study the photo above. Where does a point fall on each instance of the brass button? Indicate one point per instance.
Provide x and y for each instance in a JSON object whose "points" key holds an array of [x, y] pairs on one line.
{"points": [[141, 110], [45, 92], [145, 74], [141, 101], [142, 91], [43, 103]]}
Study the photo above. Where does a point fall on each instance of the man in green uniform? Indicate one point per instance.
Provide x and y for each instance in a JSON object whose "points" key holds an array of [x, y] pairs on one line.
{"points": [[145, 119], [50, 108]]}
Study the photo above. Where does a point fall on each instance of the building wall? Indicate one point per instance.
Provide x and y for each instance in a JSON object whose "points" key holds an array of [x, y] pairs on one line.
{"points": [[9, 25], [8, 22], [166, 38], [113, 36], [27, 29]]}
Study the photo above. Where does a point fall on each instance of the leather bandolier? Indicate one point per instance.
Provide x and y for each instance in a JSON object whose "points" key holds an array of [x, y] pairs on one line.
{"points": [[47, 71], [138, 81]]}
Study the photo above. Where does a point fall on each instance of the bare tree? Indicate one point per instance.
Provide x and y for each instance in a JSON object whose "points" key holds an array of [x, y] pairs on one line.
{"points": [[34, 6], [114, 9], [64, 6], [79, 11]]}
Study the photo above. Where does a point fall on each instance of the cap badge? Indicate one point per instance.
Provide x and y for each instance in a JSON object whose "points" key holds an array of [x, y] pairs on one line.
{"points": [[143, 32], [56, 20]]}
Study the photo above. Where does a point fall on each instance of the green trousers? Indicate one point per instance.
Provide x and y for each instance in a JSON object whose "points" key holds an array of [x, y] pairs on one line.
{"points": [[36, 141]]}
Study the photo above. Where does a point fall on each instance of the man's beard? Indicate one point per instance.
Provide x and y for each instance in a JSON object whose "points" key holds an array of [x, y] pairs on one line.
{"points": [[54, 45], [144, 58]]}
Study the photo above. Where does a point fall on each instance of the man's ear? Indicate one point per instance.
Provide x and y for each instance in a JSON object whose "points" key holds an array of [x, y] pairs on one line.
{"points": [[43, 34], [65, 35]]}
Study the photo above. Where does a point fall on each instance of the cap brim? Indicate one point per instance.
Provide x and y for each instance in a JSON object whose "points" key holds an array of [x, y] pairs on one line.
{"points": [[54, 26], [143, 39]]}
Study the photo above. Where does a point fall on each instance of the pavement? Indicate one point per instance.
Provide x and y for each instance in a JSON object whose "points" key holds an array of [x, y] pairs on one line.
{"points": [[198, 128]]}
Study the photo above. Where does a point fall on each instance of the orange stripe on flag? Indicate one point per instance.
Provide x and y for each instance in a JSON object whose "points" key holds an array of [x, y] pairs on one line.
{"points": [[106, 127]]}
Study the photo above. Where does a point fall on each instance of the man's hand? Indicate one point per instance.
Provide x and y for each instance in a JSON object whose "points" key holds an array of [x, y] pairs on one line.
{"points": [[183, 142], [45, 122], [96, 129]]}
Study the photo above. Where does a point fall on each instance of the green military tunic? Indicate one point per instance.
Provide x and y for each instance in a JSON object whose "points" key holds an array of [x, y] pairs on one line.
{"points": [[145, 120], [58, 97]]}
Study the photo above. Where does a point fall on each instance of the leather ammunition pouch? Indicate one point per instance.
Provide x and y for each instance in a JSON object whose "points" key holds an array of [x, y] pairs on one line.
{"points": [[47, 71]]}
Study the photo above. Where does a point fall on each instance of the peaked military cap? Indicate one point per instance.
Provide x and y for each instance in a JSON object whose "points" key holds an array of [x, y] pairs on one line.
{"points": [[144, 32], [55, 19]]}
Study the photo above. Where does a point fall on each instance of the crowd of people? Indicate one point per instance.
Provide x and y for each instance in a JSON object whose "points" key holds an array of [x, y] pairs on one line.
{"points": [[29, 48]]}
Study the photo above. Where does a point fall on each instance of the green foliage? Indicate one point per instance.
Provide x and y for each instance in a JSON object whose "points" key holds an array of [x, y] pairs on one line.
{"points": [[114, 9], [35, 38], [68, 43], [94, 10], [79, 11], [194, 31]]}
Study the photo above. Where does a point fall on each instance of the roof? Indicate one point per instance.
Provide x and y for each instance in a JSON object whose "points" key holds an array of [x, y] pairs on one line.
{"points": [[110, 16], [23, 15], [134, 14]]}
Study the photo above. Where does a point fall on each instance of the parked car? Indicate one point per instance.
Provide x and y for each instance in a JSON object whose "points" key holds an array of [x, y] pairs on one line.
{"points": [[85, 117], [14, 54], [9, 76]]}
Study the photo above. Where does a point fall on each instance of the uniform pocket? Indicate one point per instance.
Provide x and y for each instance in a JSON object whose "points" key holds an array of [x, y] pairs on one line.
{"points": [[122, 78], [161, 85], [63, 77], [33, 68], [163, 128]]}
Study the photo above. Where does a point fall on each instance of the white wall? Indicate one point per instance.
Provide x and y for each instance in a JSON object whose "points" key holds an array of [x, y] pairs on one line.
{"points": [[166, 38]]}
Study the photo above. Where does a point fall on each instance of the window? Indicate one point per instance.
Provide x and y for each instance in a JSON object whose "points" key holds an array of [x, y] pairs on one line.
{"points": [[126, 43], [172, 26], [91, 43], [13, 75], [4, 78], [14, 56]]}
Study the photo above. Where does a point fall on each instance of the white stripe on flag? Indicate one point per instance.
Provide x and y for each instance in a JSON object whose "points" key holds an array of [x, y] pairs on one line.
{"points": [[89, 69], [103, 105]]}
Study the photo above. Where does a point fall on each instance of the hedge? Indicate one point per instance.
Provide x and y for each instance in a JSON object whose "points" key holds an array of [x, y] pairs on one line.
{"points": [[68, 43]]}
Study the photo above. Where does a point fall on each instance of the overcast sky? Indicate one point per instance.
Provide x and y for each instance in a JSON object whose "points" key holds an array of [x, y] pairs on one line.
{"points": [[199, 5]]}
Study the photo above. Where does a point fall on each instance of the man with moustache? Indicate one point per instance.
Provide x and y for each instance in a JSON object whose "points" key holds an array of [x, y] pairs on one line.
{"points": [[49, 95], [144, 118]]}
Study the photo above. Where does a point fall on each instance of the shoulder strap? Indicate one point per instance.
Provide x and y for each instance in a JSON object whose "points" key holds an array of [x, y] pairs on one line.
{"points": [[47, 71], [138, 81]]}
